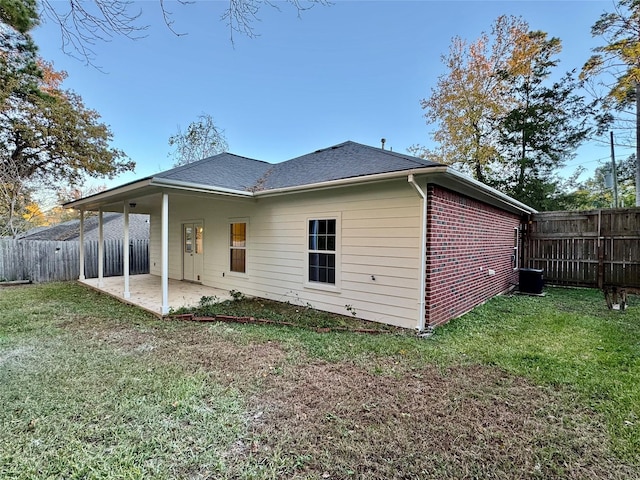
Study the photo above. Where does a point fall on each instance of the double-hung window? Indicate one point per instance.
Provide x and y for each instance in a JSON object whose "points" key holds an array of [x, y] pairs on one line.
{"points": [[322, 251]]}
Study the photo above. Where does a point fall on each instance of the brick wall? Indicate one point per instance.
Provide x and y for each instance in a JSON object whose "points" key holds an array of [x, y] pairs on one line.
{"points": [[465, 240]]}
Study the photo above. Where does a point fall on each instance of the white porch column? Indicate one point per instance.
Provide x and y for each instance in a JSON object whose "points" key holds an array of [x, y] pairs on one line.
{"points": [[100, 250], [125, 251], [81, 277], [165, 254]]}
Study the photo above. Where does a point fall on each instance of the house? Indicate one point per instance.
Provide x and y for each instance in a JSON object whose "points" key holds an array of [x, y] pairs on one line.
{"points": [[112, 224], [391, 237]]}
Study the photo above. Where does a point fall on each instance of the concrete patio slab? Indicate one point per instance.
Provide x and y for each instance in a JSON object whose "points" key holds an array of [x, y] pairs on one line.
{"points": [[146, 292]]}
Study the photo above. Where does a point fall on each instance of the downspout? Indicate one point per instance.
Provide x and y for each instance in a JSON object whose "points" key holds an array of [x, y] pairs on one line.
{"points": [[423, 253]]}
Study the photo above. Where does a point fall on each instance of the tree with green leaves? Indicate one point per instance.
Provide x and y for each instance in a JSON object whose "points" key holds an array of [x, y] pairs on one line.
{"points": [[545, 125], [596, 193], [47, 135], [498, 115], [469, 100], [616, 66], [202, 139]]}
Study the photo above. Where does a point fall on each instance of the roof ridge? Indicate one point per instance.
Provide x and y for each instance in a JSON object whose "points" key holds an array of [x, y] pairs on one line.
{"points": [[412, 158]]}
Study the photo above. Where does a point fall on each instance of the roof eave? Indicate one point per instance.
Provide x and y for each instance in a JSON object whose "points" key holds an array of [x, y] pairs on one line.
{"points": [[434, 174], [440, 174], [107, 194], [476, 186], [343, 182], [197, 187]]}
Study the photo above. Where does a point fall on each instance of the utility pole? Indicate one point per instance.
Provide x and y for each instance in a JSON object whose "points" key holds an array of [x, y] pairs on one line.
{"points": [[614, 173]]}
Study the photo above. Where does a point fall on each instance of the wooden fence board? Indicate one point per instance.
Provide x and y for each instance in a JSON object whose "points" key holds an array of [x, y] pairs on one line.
{"points": [[47, 261], [574, 247]]}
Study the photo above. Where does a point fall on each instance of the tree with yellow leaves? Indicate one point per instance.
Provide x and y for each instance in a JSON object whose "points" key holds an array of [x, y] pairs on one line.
{"points": [[470, 98], [500, 117]]}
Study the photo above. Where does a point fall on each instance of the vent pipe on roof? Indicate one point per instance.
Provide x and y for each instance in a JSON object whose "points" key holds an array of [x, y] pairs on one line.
{"points": [[382, 140]]}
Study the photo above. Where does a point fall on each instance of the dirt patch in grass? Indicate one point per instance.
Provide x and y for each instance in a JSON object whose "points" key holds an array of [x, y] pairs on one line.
{"points": [[315, 419], [213, 349], [339, 421]]}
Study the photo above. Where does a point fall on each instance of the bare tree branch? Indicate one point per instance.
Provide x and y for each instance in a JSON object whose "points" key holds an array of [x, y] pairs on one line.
{"points": [[85, 23]]}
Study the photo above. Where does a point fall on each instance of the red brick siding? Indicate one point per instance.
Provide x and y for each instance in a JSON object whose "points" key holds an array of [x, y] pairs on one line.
{"points": [[465, 239]]}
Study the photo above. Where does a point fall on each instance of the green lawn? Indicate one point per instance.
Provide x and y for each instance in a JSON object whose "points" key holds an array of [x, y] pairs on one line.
{"points": [[522, 387]]}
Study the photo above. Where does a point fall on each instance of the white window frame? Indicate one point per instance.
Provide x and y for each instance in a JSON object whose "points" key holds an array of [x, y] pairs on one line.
{"points": [[232, 221], [333, 287]]}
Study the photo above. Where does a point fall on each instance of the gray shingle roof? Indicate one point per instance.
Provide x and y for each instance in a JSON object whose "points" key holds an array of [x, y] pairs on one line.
{"points": [[346, 160], [113, 228], [224, 170]]}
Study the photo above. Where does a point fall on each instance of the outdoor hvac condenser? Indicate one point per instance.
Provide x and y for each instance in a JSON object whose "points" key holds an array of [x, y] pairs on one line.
{"points": [[531, 281]]}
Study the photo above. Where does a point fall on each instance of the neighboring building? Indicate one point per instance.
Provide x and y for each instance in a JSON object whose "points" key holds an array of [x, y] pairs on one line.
{"points": [[398, 239], [113, 226]]}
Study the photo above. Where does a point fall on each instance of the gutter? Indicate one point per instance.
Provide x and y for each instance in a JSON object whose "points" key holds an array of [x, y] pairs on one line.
{"points": [[423, 253], [490, 191], [379, 177], [197, 187], [123, 189]]}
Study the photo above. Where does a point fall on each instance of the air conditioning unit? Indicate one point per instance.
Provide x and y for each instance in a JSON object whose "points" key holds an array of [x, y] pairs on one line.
{"points": [[531, 281]]}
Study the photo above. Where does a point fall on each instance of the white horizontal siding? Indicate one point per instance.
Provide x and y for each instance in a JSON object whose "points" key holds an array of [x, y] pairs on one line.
{"points": [[380, 236]]}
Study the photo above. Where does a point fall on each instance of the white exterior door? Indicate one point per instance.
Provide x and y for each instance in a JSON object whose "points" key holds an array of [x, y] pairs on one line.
{"points": [[192, 251]]}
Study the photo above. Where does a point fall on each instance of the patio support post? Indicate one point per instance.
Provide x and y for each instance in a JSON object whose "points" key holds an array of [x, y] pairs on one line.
{"points": [[82, 274], [125, 251], [165, 253], [100, 250]]}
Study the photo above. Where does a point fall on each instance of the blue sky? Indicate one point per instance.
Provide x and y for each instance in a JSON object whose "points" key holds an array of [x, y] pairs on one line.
{"points": [[353, 71]]}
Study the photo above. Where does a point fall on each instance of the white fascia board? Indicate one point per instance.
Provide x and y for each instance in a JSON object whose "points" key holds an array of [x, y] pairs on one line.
{"points": [[432, 174], [490, 191], [108, 194], [345, 182], [197, 187]]}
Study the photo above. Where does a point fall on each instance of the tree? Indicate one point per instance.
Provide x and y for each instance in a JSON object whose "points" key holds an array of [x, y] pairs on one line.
{"points": [[58, 214], [499, 117], [594, 192], [83, 23], [546, 124], [470, 98], [47, 135], [22, 15], [202, 139], [617, 64]]}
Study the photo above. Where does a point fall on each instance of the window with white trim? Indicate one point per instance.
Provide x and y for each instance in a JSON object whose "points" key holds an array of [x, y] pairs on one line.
{"points": [[322, 251], [238, 247]]}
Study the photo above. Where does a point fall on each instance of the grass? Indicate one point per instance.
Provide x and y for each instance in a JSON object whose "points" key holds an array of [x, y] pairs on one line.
{"points": [[521, 387]]}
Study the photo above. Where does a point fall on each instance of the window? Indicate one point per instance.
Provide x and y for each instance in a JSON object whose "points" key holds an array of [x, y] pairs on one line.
{"points": [[322, 251], [188, 239], [199, 231], [238, 247], [514, 257]]}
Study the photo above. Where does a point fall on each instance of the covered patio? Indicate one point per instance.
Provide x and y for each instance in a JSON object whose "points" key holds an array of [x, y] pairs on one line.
{"points": [[146, 292]]}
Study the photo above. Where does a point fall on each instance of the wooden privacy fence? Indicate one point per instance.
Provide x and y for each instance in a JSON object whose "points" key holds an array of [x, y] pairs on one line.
{"points": [[596, 248], [48, 261]]}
